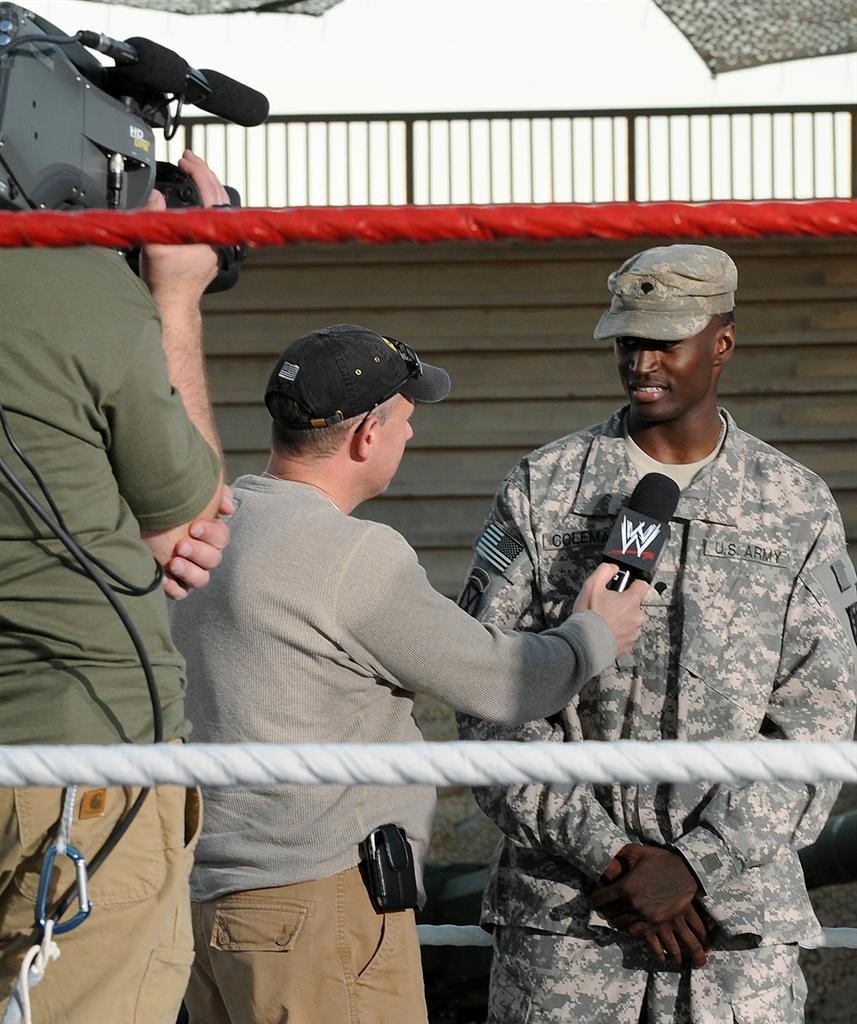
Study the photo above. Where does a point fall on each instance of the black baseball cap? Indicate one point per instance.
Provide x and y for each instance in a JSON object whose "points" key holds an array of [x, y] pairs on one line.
{"points": [[344, 370]]}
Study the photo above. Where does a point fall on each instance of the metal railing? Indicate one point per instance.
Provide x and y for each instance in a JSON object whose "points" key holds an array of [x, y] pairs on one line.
{"points": [[691, 154]]}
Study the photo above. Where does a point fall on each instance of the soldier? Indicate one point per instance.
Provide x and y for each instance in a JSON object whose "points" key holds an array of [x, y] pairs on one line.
{"points": [[655, 903]]}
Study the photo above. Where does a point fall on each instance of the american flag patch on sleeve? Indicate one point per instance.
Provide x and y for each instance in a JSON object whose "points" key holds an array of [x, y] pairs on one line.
{"points": [[498, 547], [288, 371]]}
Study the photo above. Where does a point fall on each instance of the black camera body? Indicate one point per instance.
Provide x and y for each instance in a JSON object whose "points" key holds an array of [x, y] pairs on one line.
{"points": [[77, 135], [179, 191], [58, 126]]}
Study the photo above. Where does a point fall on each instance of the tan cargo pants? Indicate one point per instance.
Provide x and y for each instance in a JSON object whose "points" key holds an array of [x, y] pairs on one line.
{"points": [[128, 963], [309, 953]]}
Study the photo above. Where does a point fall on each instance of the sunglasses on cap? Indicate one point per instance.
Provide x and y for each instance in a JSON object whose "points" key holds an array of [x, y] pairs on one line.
{"points": [[414, 368], [411, 361]]}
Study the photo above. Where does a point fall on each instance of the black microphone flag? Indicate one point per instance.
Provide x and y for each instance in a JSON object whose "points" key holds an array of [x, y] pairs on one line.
{"points": [[641, 530]]}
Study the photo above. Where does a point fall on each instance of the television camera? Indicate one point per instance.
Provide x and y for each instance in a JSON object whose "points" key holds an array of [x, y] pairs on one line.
{"points": [[75, 134]]}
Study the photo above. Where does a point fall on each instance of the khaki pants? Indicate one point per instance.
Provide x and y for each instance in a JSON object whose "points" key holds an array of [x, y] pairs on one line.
{"points": [[310, 953], [128, 963]]}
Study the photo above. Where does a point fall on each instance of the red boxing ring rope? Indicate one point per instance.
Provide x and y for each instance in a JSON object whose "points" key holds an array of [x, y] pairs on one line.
{"points": [[382, 224]]}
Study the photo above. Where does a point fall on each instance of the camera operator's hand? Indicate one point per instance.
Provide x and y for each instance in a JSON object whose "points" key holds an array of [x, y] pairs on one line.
{"points": [[197, 554], [181, 273], [620, 610]]}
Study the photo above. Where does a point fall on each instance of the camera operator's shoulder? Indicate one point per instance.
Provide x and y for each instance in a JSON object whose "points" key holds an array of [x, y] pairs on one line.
{"points": [[116, 277], [83, 275], [85, 300]]}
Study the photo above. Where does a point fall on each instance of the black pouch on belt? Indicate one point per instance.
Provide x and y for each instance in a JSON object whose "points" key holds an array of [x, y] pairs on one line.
{"points": [[389, 869]]}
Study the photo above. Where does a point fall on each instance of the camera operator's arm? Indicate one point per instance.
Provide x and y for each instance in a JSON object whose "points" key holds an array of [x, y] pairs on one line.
{"points": [[201, 551], [177, 276]]}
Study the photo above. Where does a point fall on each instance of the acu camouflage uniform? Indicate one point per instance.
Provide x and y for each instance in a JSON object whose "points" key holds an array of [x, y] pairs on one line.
{"points": [[749, 633]]}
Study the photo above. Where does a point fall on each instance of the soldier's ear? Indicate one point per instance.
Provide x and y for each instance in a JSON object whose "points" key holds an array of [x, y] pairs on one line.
{"points": [[724, 344]]}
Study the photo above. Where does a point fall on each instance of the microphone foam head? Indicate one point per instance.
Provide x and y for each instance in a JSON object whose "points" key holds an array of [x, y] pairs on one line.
{"points": [[157, 68], [233, 101], [655, 496]]}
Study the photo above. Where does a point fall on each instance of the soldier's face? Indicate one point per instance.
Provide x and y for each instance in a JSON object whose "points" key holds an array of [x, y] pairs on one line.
{"points": [[671, 380]]}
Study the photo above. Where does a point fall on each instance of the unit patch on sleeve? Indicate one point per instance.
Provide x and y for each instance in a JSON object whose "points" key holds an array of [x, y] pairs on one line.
{"points": [[497, 546], [839, 582], [851, 612]]}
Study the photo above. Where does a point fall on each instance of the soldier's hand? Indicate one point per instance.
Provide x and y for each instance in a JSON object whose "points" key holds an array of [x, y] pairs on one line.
{"points": [[682, 937], [656, 887], [621, 611], [615, 869]]}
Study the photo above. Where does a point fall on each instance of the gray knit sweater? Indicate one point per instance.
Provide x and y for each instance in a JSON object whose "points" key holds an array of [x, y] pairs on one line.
{"points": [[319, 627]]}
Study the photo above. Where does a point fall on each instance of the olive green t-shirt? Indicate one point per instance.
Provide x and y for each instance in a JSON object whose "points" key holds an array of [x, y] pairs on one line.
{"points": [[84, 383]]}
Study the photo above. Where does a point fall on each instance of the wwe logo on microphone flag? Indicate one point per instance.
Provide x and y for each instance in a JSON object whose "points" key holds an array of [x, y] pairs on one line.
{"points": [[640, 534], [641, 530], [636, 541]]}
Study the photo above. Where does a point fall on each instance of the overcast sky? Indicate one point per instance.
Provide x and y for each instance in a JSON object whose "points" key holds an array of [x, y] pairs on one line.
{"points": [[368, 56]]}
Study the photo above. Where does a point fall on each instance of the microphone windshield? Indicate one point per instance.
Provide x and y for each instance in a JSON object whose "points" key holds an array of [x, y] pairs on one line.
{"points": [[655, 496], [233, 101], [157, 68]]}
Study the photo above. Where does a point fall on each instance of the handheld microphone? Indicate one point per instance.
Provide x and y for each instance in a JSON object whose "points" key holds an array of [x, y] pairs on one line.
{"points": [[641, 530], [232, 101]]}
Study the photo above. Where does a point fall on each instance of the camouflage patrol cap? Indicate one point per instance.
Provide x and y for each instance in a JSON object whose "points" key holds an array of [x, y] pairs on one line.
{"points": [[668, 293]]}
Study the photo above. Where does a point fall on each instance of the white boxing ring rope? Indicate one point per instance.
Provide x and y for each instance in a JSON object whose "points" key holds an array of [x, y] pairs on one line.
{"points": [[435, 764], [473, 935], [440, 764]]}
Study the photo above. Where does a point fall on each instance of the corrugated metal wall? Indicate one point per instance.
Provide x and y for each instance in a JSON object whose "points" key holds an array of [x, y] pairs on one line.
{"points": [[512, 322]]}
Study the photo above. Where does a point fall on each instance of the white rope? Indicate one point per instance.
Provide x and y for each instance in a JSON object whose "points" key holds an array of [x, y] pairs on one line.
{"points": [[833, 938], [453, 935], [64, 833], [32, 971], [473, 935], [436, 764]]}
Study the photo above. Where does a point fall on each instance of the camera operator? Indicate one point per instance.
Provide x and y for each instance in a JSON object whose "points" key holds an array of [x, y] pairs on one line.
{"points": [[105, 396]]}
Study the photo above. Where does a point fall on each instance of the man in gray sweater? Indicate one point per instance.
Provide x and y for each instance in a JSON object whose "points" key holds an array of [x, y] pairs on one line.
{"points": [[320, 627]]}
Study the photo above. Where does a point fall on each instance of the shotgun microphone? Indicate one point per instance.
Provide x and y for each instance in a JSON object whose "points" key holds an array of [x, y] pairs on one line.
{"points": [[232, 100], [641, 530], [143, 65], [147, 66]]}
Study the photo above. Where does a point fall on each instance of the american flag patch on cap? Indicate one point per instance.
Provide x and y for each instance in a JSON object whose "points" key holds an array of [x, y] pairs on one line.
{"points": [[288, 371], [497, 546]]}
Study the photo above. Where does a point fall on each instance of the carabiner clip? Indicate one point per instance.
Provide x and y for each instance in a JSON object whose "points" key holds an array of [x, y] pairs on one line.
{"points": [[84, 904]]}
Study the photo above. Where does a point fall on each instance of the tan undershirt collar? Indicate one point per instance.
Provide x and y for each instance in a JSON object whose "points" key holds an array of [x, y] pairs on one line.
{"points": [[683, 473]]}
